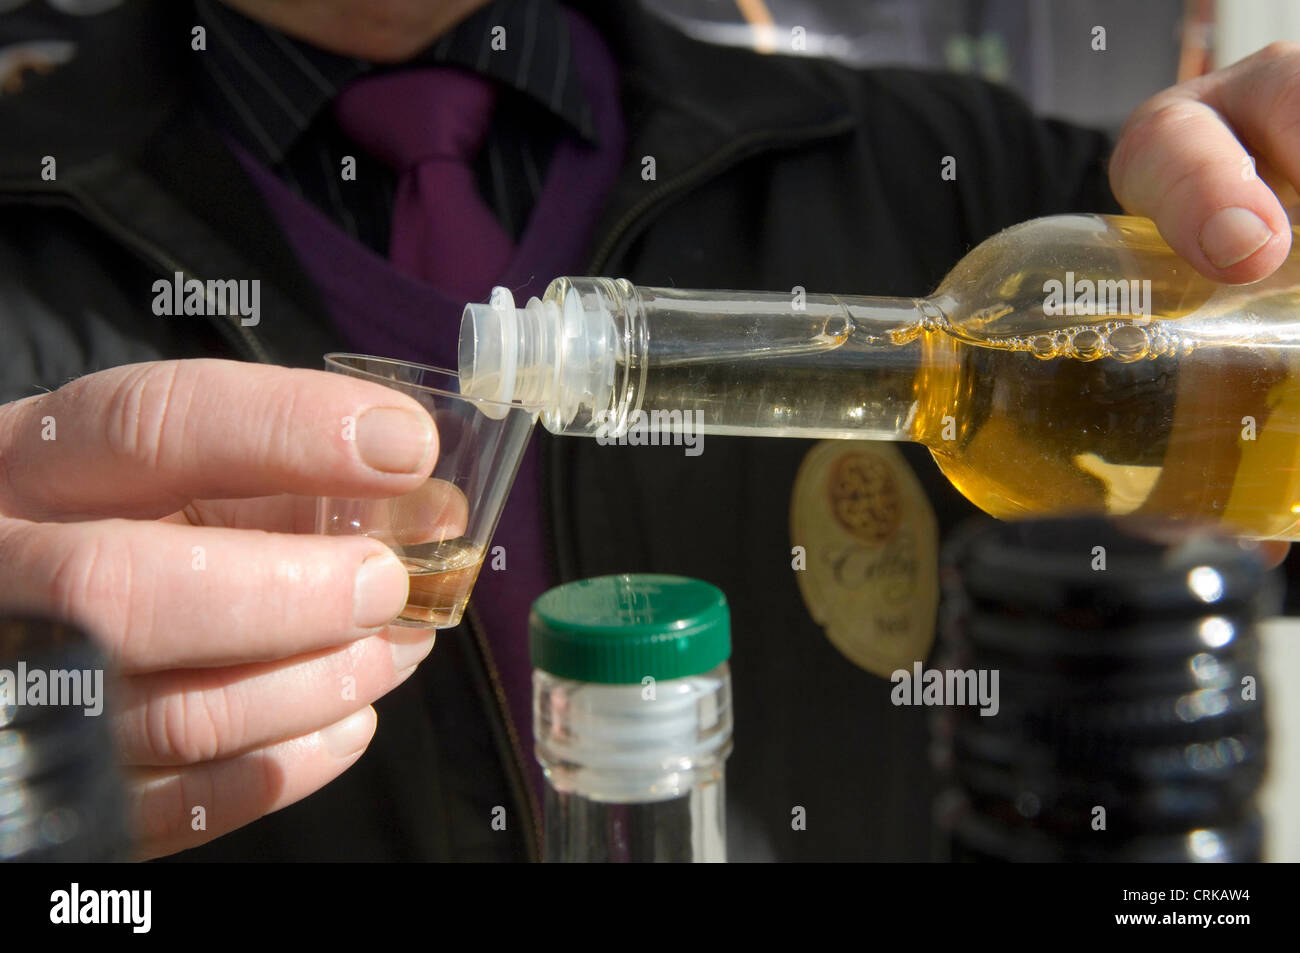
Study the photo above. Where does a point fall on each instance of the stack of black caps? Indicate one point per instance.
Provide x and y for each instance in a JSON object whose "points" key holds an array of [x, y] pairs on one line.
{"points": [[61, 791], [1130, 722]]}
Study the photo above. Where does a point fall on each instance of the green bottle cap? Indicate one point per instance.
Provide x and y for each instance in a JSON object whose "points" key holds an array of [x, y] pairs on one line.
{"points": [[619, 629]]}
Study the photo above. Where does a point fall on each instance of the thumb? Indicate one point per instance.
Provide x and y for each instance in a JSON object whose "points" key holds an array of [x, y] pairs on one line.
{"points": [[1180, 165]]}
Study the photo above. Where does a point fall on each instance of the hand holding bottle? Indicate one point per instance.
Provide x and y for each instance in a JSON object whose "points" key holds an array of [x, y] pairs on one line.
{"points": [[1220, 201], [1215, 161]]}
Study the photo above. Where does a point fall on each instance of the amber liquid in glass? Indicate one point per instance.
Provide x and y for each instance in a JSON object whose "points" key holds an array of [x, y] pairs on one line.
{"points": [[442, 576]]}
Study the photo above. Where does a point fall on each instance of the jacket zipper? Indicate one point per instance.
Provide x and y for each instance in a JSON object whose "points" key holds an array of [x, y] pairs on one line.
{"points": [[733, 152], [518, 774]]}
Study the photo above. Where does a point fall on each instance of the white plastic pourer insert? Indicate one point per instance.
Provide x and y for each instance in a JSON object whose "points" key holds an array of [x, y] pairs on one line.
{"points": [[488, 352], [556, 356]]}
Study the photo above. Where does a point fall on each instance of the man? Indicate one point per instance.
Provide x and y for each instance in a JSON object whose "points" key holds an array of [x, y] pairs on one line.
{"points": [[271, 144]]}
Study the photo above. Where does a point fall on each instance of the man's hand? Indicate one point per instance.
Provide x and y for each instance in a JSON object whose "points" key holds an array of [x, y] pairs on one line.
{"points": [[1215, 161], [163, 518]]}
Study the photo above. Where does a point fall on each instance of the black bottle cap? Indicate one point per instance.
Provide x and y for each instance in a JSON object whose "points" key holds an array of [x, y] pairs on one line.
{"points": [[1084, 572]]}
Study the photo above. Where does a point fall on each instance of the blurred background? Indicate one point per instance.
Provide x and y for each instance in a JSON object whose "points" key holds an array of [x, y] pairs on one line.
{"points": [[1041, 48]]}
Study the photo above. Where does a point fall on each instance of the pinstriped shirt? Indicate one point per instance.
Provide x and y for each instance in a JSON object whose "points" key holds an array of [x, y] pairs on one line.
{"points": [[272, 92]]}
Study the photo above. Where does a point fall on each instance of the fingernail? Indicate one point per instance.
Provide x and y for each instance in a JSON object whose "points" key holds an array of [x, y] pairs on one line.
{"points": [[404, 675], [380, 591], [410, 646], [393, 440], [1233, 234], [345, 738]]}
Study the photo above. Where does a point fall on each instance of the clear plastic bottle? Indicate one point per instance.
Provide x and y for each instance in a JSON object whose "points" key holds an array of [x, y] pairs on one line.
{"points": [[632, 718], [1070, 363]]}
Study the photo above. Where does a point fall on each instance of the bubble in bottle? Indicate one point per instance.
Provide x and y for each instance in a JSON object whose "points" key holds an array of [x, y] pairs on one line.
{"points": [[1088, 344], [1129, 343], [1043, 347]]}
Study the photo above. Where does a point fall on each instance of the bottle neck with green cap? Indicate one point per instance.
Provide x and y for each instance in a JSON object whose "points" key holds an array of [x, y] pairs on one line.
{"points": [[632, 718]]}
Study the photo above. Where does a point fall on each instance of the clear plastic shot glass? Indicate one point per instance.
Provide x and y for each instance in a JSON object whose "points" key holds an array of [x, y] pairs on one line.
{"points": [[442, 530]]}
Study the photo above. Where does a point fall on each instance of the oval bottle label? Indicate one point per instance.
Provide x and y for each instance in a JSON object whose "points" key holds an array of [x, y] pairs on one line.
{"points": [[870, 575]]}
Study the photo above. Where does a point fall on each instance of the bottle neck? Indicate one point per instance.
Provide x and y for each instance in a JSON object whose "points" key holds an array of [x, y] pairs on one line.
{"points": [[686, 829], [781, 364], [605, 359], [634, 771]]}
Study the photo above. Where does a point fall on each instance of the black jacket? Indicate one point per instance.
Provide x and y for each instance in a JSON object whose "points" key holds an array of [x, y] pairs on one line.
{"points": [[771, 172]]}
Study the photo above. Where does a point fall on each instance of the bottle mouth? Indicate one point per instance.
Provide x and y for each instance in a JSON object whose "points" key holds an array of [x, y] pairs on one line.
{"points": [[488, 351]]}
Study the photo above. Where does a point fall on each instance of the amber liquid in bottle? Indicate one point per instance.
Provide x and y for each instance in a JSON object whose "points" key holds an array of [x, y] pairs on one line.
{"points": [[1193, 429]]}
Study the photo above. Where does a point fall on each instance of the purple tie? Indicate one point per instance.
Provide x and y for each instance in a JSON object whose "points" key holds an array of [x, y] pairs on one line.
{"points": [[429, 124]]}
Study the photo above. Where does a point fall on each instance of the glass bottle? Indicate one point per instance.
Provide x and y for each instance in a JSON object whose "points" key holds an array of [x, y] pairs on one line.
{"points": [[1127, 721], [1070, 363], [632, 718]]}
